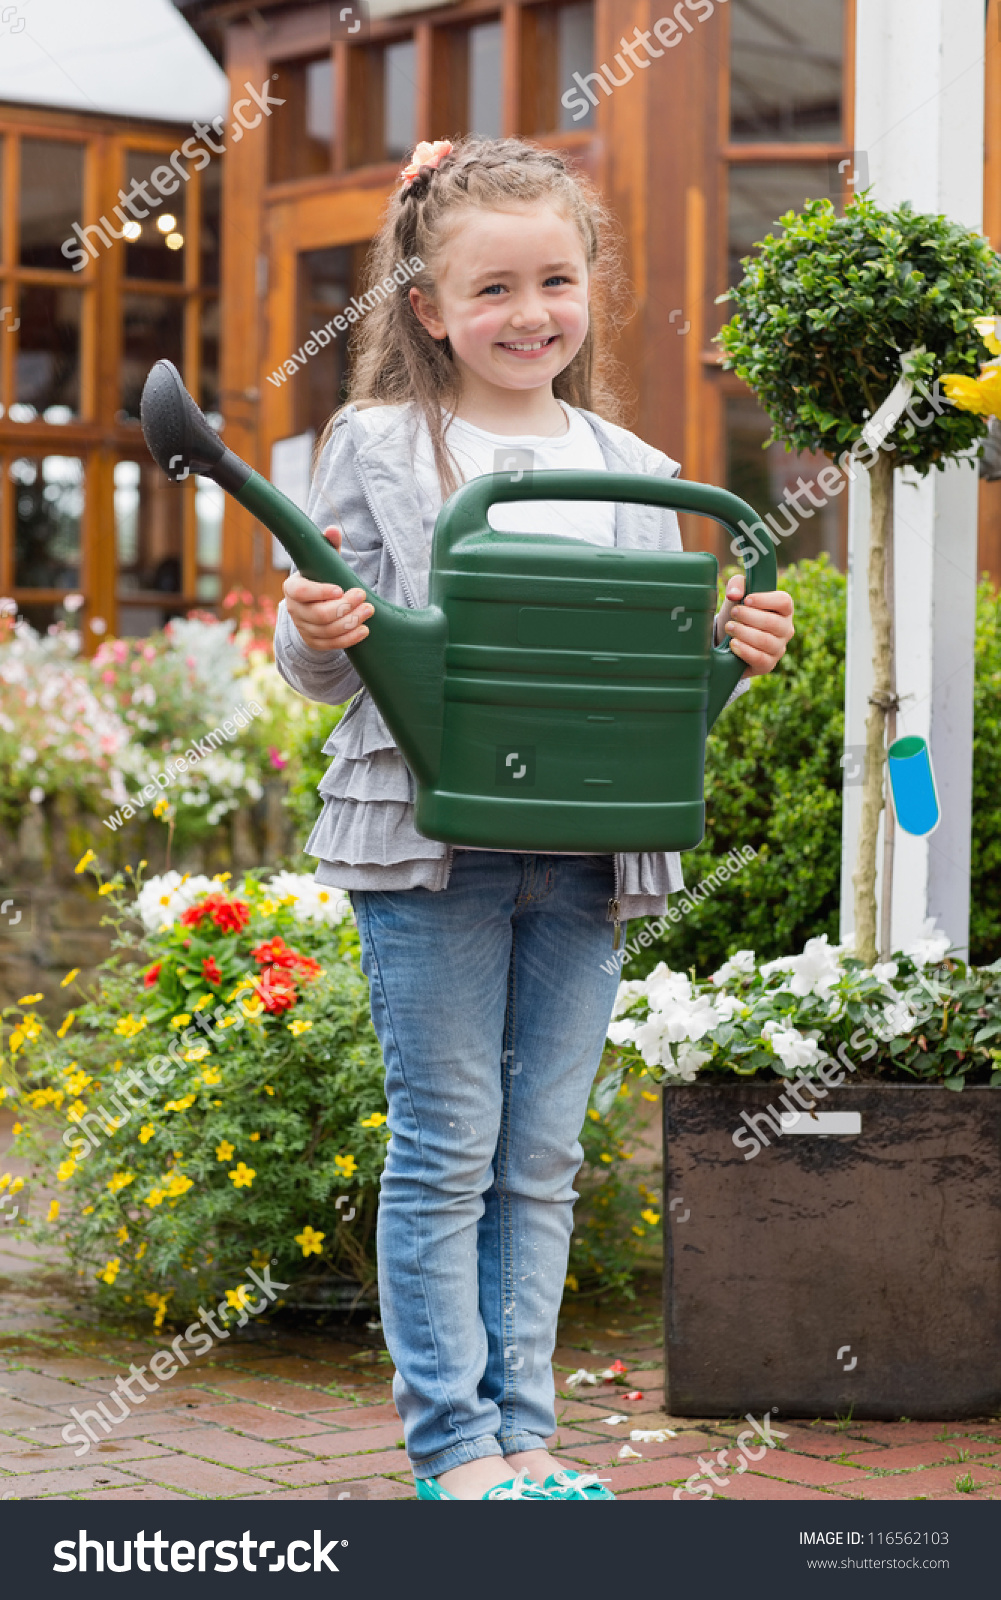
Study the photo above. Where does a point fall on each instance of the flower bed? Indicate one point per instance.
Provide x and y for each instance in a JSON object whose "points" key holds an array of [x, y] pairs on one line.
{"points": [[215, 1103]]}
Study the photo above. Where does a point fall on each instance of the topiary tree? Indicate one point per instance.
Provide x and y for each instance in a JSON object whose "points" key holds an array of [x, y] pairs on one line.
{"points": [[831, 315]]}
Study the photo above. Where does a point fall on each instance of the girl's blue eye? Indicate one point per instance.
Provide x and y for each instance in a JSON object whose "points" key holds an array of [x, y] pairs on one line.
{"points": [[493, 288], [556, 278]]}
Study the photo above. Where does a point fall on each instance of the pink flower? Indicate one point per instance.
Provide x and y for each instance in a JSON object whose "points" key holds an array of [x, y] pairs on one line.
{"points": [[276, 759], [425, 155], [149, 652], [108, 676], [120, 650]]}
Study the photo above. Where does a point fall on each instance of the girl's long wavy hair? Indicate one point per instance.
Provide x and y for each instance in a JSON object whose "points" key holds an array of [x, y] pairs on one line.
{"points": [[394, 358]]}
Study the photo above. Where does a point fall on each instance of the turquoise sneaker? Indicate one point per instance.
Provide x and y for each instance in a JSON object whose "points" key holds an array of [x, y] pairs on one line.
{"points": [[520, 1488], [568, 1485]]}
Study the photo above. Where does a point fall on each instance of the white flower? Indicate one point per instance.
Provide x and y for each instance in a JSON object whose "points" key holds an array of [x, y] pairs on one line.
{"points": [[161, 900], [930, 947], [313, 902], [792, 1047], [885, 971], [898, 1020], [727, 1006], [815, 971], [581, 1376], [689, 1059], [742, 962], [627, 993], [623, 1030]]}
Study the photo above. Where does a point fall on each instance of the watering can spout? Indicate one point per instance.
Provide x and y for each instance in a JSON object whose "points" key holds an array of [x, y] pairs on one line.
{"points": [[402, 662]]}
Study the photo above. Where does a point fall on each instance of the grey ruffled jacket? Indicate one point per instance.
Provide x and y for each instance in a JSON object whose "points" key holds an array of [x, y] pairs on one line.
{"points": [[364, 484]]}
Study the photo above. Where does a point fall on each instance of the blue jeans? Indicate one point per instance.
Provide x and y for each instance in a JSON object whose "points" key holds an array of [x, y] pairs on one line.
{"points": [[491, 1004]]}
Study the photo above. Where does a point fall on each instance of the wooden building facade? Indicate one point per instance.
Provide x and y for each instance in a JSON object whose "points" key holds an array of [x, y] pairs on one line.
{"points": [[701, 122]]}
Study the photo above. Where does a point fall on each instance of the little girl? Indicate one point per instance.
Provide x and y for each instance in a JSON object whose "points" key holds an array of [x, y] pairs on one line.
{"points": [[490, 982]]}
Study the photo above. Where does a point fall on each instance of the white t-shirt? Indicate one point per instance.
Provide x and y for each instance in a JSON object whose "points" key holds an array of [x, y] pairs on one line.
{"points": [[477, 452]]}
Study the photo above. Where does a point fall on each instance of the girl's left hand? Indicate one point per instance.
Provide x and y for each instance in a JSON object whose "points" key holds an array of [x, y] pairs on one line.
{"points": [[759, 628]]}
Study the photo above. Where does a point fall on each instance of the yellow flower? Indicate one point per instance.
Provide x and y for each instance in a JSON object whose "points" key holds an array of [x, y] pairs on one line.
{"points": [[129, 1026], [224, 1150], [66, 1169], [222, 877], [243, 1176], [179, 1185], [154, 1197], [651, 1216], [228, 1022], [75, 1111], [53, 1215], [66, 1024], [17, 1186], [239, 1296], [121, 1237], [989, 329], [347, 1166], [639, 1232], [107, 888], [268, 1089], [73, 973], [159, 1301], [295, 1028], [211, 1075], [252, 1008], [87, 1211], [374, 1121], [570, 1282], [16, 1041], [4, 1182], [161, 807], [111, 1270], [17, 1128], [77, 1081], [203, 1001], [146, 1132], [84, 861], [254, 1138], [141, 1251], [605, 1157], [29, 999], [646, 1095], [180, 1021], [311, 1241], [982, 395], [594, 1115], [244, 984], [259, 1258], [180, 1105], [198, 1052], [120, 1180]]}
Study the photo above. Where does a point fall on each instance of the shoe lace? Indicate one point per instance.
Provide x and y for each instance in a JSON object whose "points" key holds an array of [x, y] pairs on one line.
{"points": [[520, 1488], [577, 1482]]}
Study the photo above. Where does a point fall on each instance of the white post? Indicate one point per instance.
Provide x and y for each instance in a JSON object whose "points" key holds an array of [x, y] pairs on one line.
{"points": [[919, 132]]}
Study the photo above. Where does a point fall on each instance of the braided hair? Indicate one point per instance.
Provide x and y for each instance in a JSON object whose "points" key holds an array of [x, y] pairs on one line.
{"points": [[396, 361]]}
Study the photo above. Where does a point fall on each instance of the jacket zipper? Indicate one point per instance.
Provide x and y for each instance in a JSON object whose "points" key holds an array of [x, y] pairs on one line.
{"points": [[614, 907], [404, 585]]}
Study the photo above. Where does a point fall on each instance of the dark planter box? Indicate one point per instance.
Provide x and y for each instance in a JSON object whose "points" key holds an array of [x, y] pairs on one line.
{"points": [[832, 1273]]}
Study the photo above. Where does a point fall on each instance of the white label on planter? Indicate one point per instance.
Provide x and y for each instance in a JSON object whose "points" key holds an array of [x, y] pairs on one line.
{"points": [[821, 1123]]}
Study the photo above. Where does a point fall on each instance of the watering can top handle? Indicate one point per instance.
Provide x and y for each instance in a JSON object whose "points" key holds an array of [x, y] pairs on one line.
{"points": [[465, 512]]}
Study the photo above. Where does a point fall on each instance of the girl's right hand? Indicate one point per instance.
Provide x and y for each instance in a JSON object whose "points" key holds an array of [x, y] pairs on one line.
{"points": [[325, 616]]}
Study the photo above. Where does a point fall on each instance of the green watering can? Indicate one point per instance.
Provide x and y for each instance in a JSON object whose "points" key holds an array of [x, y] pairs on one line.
{"points": [[554, 695]]}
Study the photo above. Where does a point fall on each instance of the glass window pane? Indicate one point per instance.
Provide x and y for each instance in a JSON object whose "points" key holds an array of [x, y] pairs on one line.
{"points": [[484, 115], [48, 514], [301, 132], [155, 237], [148, 521], [211, 203], [574, 54], [399, 100], [47, 367], [208, 395], [51, 202], [786, 69], [152, 328], [759, 194], [760, 472], [327, 280]]}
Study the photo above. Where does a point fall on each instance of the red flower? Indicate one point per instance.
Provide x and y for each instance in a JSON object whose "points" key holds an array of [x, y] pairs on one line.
{"points": [[276, 953], [210, 970], [229, 916], [152, 977], [277, 989]]}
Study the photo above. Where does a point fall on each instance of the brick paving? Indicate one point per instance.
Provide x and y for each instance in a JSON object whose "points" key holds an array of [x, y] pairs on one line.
{"points": [[290, 1412]]}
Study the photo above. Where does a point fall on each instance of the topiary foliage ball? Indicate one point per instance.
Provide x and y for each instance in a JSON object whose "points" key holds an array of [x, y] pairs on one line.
{"points": [[825, 310]]}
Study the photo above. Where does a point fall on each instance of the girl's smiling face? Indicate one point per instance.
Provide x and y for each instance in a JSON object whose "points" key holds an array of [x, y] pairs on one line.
{"points": [[511, 296]]}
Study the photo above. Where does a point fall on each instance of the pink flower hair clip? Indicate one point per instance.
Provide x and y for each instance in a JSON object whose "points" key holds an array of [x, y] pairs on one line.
{"points": [[425, 155]]}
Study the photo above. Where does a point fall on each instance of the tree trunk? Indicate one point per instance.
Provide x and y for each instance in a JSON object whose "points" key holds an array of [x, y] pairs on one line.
{"points": [[881, 699]]}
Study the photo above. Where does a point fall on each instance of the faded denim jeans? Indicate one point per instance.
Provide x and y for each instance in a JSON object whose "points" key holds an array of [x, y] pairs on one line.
{"points": [[491, 1003]]}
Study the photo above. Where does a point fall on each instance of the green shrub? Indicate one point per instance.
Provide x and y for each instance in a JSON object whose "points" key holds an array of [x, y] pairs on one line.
{"points": [[985, 872]]}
